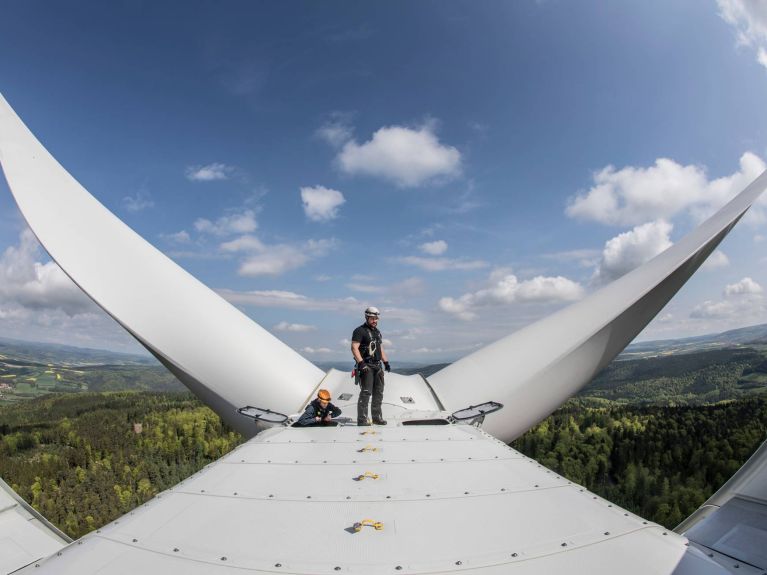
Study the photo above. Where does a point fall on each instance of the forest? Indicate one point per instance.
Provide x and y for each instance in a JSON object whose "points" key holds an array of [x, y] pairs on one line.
{"points": [[660, 462], [79, 460]]}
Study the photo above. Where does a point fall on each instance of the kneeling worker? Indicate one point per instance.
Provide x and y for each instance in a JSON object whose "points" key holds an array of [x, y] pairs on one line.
{"points": [[320, 411], [368, 352]]}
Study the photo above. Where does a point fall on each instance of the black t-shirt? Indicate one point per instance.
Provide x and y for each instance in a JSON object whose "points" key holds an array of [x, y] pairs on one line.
{"points": [[370, 341]]}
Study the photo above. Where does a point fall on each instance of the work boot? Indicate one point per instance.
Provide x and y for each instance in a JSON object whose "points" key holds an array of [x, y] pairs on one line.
{"points": [[363, 422], [379, 422]]}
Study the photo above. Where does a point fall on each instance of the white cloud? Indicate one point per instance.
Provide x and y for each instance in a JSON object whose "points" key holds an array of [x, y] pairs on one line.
{"points": [[313, 350], [291, 300], [408, 287], [365, 288], [631, 249], [246, 243], [38, 302], [749, 18], [586, 258], [762, 57], [336, 131], [26, 282], [435, 248], [746, 286], [504, 288], [442, 264], [236, 223], [632, 196], [718, 259], [181, 237], [713, 310], [209, 173], [741, 299], [275, 259], [408, 157], [294, 327], [137, 203], [321, 204]]}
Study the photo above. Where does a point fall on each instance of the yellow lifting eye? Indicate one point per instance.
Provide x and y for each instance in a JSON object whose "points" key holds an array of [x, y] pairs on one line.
{"points": [[367, 448], [377, 525], [366, 475]]}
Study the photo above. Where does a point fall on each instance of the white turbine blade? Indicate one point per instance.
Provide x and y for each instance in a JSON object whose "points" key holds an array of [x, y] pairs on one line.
{"points": [[224, 357], [536, 369]]}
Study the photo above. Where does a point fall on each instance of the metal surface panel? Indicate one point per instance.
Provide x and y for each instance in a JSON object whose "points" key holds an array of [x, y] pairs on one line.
{"points": [[490, 515], [25, 535], [549, 361], [212, 347], [738, 529]]}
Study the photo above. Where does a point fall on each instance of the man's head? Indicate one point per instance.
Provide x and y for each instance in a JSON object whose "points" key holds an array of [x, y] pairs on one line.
{"points": [[371, 315], [324, 396]]}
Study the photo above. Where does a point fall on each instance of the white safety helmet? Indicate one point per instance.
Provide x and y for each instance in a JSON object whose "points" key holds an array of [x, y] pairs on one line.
{"points": [[372, 312]]}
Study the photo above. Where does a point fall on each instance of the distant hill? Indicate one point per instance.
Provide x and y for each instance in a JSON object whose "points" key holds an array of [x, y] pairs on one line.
{"points": [[752, 335], [45, 353], [704, 369]]}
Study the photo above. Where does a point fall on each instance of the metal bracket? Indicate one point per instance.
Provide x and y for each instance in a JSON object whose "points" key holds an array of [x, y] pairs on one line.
{"points": [[377, 525], [475, 414], [259, 414], [366, 475]]}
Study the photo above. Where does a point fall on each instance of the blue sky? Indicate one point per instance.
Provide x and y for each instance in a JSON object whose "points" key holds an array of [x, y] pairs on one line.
{"points": [[468, 167]]}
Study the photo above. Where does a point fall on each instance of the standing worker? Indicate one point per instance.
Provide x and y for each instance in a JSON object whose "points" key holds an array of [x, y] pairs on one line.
{"points": [[368, 352]]}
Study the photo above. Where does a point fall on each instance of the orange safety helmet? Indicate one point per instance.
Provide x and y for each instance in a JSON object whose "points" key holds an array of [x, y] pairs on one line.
{"points": [[323, 394]]}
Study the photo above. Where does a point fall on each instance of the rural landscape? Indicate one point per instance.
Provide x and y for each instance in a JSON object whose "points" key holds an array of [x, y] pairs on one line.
{"points": [[87, 435]]}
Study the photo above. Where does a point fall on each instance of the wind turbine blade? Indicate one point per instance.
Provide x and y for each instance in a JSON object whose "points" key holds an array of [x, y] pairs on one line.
{"points": [[536, 369], [225, 358]]}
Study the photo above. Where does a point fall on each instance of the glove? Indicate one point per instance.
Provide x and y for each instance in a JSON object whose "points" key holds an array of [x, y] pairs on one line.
{"points": [[387, 367], [362, 367]]}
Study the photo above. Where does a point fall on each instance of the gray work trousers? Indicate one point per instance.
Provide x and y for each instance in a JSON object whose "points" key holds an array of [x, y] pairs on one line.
{"points": [[371, 382]]}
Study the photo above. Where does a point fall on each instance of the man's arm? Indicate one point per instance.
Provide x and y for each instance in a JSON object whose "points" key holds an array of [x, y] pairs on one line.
{"points": [[356, 351], [383, 354], [307, 417]]}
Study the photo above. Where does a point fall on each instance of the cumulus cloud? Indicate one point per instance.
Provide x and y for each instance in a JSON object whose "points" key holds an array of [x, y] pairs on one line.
{"points": [[631, 249], [435, 248], [762, 57], [504, 288], [632, 195], [313, 350], [25, 282], [137, 203], [321, 204], [746, 286], [235, 223], [749, 18], [294, 327], [740, 299], [718, 259], [408, 287], [337, 130], [406, 156], [586, 258], [442, 264], [291, 300], [181, 237], [275, 259], [209, 173]]}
